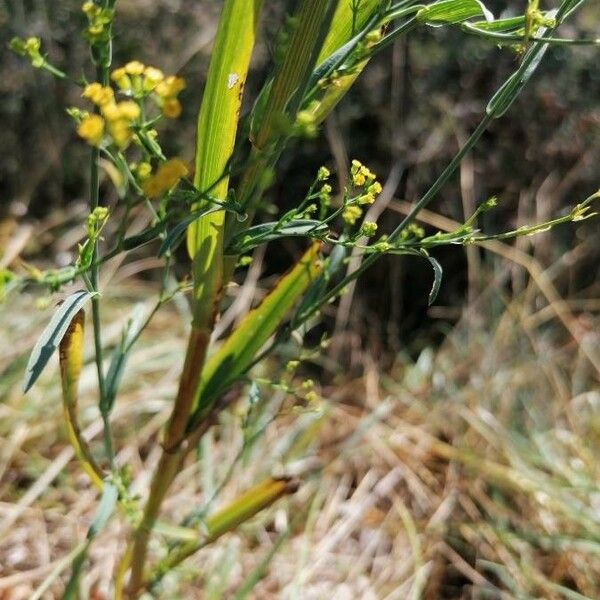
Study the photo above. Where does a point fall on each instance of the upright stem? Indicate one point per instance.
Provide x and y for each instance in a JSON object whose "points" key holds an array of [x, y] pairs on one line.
{"points": [[102, 76], [174, 451]]}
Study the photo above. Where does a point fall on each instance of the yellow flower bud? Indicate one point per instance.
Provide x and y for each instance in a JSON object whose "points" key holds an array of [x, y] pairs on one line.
{"points": [[152, 77], [170, 87], [98, 94], [135, 67], [171, 108], [120, 77], [143, 170]]}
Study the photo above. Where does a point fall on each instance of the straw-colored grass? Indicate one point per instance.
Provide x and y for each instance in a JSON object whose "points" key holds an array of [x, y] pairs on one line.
{"points": [[470, 473]]}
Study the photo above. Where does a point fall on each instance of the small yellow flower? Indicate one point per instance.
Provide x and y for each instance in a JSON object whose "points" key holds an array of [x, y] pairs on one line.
{"points": [[120, 132], [350, 214], [375, 188], [368, 228], [311, 396], [369, 176], [171, 108], [167, 175], [358, 179], [110, 111], [129, 110], [152, 77], [88, 8], [170, 87], [91, 129], [367, 198], [134, 67], [143, 170], [32, 45], [98, 94], [120, 77], [323, 173]]}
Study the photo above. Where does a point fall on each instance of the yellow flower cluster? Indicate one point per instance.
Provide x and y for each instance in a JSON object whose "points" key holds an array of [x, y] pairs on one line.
{"points": [[361, 175], [116, 118], [167, 175], [140, 79]]}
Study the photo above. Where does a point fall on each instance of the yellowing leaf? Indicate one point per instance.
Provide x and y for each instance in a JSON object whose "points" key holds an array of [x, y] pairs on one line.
{"points": [[237, 353]]}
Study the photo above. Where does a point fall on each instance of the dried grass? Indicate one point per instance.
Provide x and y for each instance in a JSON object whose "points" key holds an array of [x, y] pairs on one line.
{"points": [[470, 473]]}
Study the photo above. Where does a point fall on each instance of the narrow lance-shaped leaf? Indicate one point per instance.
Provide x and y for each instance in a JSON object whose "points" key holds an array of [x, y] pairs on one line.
{"points": [[243, 508], [50, 339], [438, 272], [267, 232], [247, 505], [448, 12], [507, 94], [118, 359], [238, 351]]}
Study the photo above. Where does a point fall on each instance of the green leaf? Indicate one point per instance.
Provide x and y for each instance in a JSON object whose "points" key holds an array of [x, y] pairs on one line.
{"points": [[449, 12], [237, 352], [215, 141], [319, 286], [50, 339], [501, 24], [174, 236], [438, 272], [267, 232], [119, 356]]}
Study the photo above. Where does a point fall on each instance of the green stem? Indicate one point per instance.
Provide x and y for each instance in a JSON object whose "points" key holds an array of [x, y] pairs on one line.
{"points": [[103, 77]]}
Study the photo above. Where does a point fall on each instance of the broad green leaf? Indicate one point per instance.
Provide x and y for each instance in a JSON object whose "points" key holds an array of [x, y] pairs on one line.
{"points": [[448, 12], [216, 134], [293, 74], [50, 339], [221, 102], [346, 24], [243, 508], [348, 28], [267, 232], [237, 352]]}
